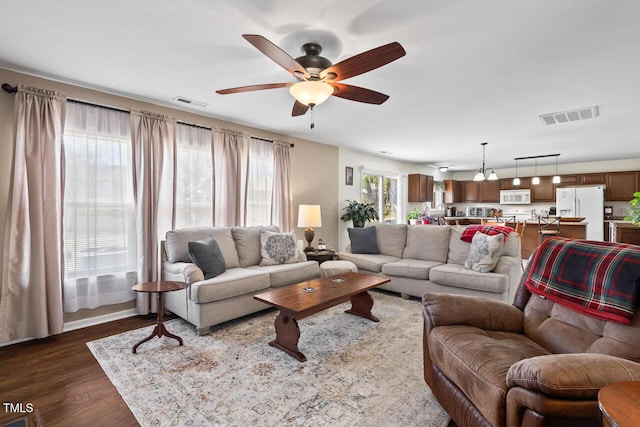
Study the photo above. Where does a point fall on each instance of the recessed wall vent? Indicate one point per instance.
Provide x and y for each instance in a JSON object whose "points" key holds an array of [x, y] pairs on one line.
{"points": [[189, 101], [570, 115]]}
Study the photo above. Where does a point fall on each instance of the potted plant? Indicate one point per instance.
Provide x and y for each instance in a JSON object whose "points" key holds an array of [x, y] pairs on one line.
{"points": [[413, 216], [359, 213], [634, 210]]}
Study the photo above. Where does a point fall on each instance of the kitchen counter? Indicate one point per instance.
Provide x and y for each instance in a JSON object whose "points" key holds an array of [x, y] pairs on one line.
{"points": [[535, 222]]}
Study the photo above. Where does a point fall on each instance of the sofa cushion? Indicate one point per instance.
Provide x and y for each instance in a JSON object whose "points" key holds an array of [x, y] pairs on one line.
{"points": [[278, 248], [206, 254], [391, 238], [484, 252], [461, 277], [477, 361], [231, 283], [512, 246], [427, 242], [247, 241], [411, 268], [458, 249], [363, 240], [287, 274], [367, 262], [176, 243]]}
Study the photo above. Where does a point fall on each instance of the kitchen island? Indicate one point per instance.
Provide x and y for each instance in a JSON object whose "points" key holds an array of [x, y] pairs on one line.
{"points": [[531, 238]]}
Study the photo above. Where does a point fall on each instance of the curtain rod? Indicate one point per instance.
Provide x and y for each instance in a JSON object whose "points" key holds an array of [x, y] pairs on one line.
{"points": [[270, 140], [536, 157], [13, 89]]}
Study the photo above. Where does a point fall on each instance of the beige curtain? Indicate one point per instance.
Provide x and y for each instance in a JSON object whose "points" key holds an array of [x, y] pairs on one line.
{"points": [[153, 139], [281, 206], [31, 301], [231, 166]]}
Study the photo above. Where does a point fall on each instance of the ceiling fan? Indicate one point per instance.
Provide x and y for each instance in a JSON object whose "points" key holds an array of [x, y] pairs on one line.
{"points": [[317, 77]]}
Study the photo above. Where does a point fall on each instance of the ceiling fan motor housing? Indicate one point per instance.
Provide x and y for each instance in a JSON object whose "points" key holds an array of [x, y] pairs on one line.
{"points": [[312, 61]]}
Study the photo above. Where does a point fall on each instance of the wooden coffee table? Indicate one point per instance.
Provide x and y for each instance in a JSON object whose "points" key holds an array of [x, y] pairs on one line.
{"points": [[295, 304]]}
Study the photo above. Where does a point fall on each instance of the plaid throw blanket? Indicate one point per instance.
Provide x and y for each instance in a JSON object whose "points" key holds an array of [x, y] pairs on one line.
{"points": [[600, 279], [490, 230]]}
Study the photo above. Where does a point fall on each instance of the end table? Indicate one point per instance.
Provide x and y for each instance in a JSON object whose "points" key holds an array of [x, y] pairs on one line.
{"points": [[618, 404], [321, 256], [160, 287]]}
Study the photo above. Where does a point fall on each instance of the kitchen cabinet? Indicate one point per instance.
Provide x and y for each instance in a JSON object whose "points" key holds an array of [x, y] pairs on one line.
{"points": [[624, 232], [470, 191], [569, 180], [481, 191], [420, 188], [507, 184], [545, 191], [452, 191], [621, 186], [490, 191], [592, 178]]}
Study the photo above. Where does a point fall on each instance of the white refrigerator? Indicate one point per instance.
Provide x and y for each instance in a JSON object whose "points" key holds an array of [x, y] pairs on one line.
{"points": [[587, 202]]}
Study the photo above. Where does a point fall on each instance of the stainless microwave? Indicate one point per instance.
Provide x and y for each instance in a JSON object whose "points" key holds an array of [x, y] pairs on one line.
{"points": [[515, 197]]}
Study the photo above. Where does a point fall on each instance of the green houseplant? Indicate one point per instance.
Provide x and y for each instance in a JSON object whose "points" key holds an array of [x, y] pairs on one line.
{"points": [[359, 213], [634, 210], [413, 216]]}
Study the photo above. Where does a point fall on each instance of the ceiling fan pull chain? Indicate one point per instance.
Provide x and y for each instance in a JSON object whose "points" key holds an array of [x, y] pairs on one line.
{"points": [[313, 124]]}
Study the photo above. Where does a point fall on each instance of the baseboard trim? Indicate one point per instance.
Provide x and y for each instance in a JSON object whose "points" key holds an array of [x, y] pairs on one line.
{"points": [[97, 320], [84, 323]]}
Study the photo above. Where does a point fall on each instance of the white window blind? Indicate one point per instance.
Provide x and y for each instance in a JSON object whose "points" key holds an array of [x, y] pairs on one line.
{"points": [[98, 218]]}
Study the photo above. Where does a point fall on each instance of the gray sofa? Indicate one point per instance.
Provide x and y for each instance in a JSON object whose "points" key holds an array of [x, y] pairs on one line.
{"points": [[205, 303], [430, 258]]}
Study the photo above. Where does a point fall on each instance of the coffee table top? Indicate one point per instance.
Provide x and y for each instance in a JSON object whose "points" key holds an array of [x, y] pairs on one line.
{"points": [[159, 286], [329, 291]]}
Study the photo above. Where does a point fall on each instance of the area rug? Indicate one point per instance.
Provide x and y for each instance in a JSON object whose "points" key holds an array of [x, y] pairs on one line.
{"points": [[357, 373]]}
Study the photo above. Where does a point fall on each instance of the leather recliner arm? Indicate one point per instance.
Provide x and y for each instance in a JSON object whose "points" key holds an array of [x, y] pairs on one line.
{"points": [[571, 376], [484, 313]]}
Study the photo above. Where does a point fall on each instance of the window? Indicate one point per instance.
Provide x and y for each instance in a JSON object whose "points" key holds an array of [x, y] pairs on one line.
{"points": [[99, 217], [194, 177], [260, 183], [382, 191]]}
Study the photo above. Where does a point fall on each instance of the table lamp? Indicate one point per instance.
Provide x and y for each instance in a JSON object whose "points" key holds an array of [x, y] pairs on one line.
{"points": [[309, 217]]}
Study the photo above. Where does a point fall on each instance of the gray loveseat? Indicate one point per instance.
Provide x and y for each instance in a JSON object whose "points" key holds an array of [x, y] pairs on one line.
{"points": [[205, 303], [430, 258]]}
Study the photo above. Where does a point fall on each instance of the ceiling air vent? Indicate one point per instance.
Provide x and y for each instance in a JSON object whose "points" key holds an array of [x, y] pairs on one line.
{"points": [[570, 115], [189, 101]]}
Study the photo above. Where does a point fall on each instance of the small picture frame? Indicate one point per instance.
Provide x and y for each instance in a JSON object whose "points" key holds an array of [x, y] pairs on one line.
{"points": [[348, 175]]}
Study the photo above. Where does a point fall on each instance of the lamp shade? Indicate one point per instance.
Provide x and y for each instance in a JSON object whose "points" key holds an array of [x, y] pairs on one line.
{"points": [[309, 216], [311, 92]]}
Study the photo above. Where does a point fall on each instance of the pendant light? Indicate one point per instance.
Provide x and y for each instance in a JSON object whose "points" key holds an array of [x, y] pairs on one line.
{"points": [[535, 180], [481, 174], [556, 177], [516, 180]]}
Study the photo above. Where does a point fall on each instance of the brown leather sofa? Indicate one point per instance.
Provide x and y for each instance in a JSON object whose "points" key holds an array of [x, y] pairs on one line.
{"points": [[533, 363]]}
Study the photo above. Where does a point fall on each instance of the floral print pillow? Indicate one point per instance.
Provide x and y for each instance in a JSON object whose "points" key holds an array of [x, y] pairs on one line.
{"points": [[484, 253], [277, 248]]}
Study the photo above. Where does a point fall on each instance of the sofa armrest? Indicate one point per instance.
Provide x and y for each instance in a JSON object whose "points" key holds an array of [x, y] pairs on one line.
{"points": [[302, 257], [182, 271], [571, 376], [484, 313]]}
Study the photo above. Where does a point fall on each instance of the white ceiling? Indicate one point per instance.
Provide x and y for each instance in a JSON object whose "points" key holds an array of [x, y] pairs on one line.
{"points": [[474, 71]]}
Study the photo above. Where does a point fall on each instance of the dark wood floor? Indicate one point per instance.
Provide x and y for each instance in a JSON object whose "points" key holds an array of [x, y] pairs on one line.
{"points": [[60, 377]]}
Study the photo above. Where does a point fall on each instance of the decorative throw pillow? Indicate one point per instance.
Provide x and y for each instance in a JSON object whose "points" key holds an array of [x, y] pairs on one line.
{"points": [[363, 240], [484, 253], [277, 248], [207, 255]]}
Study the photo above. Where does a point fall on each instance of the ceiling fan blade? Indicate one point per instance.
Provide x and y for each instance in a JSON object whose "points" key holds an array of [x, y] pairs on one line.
{"points": [[299, 109], [360, 94], [365, 61], [253, 87], [276, 54]]}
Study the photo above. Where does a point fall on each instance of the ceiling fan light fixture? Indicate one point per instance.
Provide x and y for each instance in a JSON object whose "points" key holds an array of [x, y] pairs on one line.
{"points": [[311, 92]]}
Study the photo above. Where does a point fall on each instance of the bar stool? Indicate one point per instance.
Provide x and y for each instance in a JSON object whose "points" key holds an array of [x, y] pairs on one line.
{"points": [[548, 227]]}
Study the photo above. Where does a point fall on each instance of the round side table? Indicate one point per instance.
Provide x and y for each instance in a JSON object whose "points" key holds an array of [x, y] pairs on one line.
{"points": [[159, 287], [618, 404]]}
